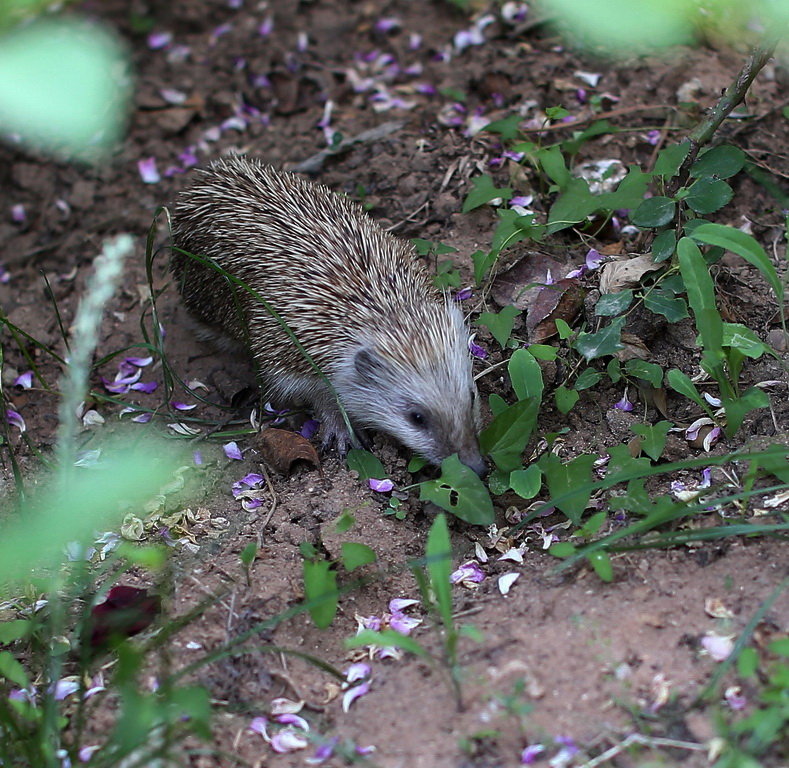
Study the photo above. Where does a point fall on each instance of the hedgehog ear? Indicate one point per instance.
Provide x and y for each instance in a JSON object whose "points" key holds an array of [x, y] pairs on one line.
{"points": [[369, 365]]}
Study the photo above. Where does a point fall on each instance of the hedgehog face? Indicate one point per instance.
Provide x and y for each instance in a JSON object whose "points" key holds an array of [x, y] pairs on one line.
{"points": [[425, 398]]}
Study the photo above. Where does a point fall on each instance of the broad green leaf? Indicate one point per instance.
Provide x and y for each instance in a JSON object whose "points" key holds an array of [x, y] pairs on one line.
{"points": [[346, 520], [562, 549], [670, 158], [629, 193], [738, 408], [572, 206], [747, 662], [664, 245], [12, 670], [614, 370], [588, 377], [722, 162], [497, 404], [320, 587], [526, 482], [483, 192], [610, 304], [430, 247], [640, 369], [552, 161], [512, 228], [592, 525], [607, 341], [508, 128], [542, 351], [742, 338], [673, 308], [570, 483], [355, 555], [248, 554], [654, 212], [367, 465], [653, 437], [507, 435], [498, 482], [439, 566], [680, 382], [597, 128], [525, 375], [563, 329], [11, 631], [743, 245], [601, 563], [622, 464], [708, 195], [500, 323], [64, 86], [459, 491], [565, 398], [483, 261]]}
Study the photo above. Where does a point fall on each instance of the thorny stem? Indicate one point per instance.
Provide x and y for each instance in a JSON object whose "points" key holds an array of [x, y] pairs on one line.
{"points": [[732, 96]]}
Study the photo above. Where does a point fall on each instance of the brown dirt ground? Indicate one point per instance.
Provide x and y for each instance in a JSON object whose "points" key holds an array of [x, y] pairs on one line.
{"points": [[588, 651]]}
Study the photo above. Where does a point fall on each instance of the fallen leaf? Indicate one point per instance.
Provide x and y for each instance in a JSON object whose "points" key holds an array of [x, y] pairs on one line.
{"points": [[125, 612], [282, 449], [522, 282], [561, 301], [618, 275]]}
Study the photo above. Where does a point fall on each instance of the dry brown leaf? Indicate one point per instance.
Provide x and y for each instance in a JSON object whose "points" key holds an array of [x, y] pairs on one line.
{"points": [[633, 347], [522, 282], [561, 301], [281, 449], [616, 276]]}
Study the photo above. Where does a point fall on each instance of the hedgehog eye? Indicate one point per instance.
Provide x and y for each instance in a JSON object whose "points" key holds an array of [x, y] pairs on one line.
{"points": [[417, 419]]}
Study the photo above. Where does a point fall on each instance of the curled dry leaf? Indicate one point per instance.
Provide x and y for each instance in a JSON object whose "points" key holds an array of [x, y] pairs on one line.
{"points": [[619, 275], [281, 449], [561, 301], [520, 285], [632, 347]]}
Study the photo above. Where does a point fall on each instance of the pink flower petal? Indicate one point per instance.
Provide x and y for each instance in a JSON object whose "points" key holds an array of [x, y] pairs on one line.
{"points": [[18, 214], [718, 647], [179, 406], [158, 40], [24, 380], [354, 693], [143, 418], [290, 718], [289, 740], [624, 404], [531, 754], [468, 572], [14, 418], [399, 604], [357, 671], [259, 725], [506, 581], [149, 173], [382, 486], [147, 387], [232, 450]]}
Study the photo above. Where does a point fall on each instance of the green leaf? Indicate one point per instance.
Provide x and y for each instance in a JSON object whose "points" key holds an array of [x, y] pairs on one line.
{"points": [[629, 193], [459, 491], [320, 588], [483, 261], [497, 404], [525, 375], [604, 342], [737, 408], [592, 525], [12, 670], [614, 370], [650, 372], [654, 212], [708, 195], [673, 308], [415, 463], [722, 162], [10, 631], [386, 638], [562, 549], [542, 351], [664, 245], [498, 482], [439, 566], [569, 484], [526, 482], [743, 339], [355, 555], [514, 227], [508, 128], [587, 378], [507, 435], [701, 297], [552, 161], [681, 383], [367, 465], [747, 662], [248, 554], [743, 245], [653, 437], [610, 304], [563, 329], [431, 248], [571, 207], [565, 398], [602, 565], [483, 192], [670, 159], [500, 323], [346, 520]]}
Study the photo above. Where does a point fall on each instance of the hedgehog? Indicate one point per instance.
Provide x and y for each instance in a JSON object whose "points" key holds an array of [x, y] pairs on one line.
{"points": [[387, 344]]}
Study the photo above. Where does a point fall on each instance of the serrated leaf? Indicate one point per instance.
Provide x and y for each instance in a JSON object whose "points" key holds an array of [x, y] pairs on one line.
{"points": [[723, 162], [355, 555], [484, 190], [654, 212], [565, 399], [744, 245], [459, 491], [708, 195], [673, 308], [367, 465], [500, 323], [604, 342], [525, 375], [664, 245], [610, 304], [526, 482]]}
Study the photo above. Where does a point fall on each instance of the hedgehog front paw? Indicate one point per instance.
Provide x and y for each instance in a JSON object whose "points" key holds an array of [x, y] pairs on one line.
{"points": [[335, 434]]}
